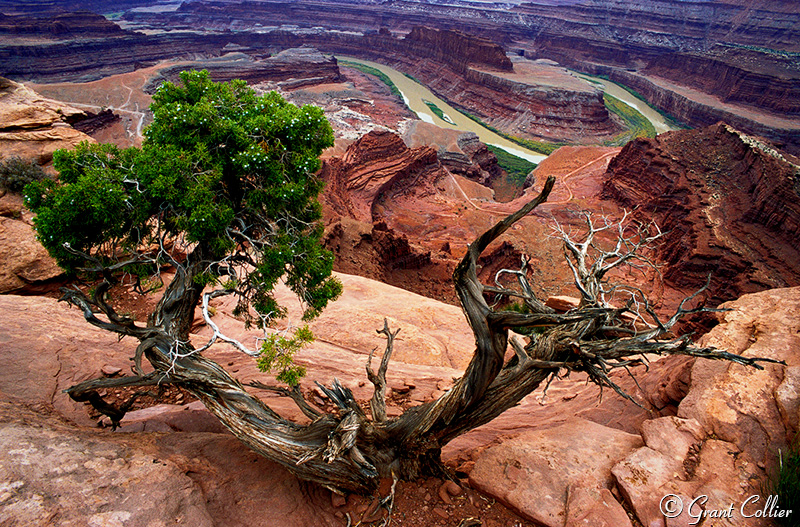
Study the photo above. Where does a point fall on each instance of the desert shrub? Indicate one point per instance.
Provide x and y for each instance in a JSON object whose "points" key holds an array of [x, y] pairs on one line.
{"points": [[786, 485], [16, 172]]}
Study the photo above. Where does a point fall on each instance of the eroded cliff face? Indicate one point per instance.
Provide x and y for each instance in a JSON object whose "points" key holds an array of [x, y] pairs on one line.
{"points": [[469, 71], [735, 75], [476, 76], [399, 215], [56, 26], [32, 127], [456, 49], [704, 111], [737, 52], [374, 167], [729, 204], [289, 69]]}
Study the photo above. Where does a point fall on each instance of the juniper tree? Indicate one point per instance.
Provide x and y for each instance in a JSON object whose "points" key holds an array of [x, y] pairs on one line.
{"points": [[223, 191]]}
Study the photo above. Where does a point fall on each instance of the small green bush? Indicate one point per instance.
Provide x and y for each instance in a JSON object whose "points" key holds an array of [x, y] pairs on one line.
{"points": [[786, 485], [16, 172]]}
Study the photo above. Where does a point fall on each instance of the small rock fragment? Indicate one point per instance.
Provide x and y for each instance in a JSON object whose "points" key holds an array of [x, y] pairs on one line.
{"points": [[441, 512], [337, 500], [110, 371]]}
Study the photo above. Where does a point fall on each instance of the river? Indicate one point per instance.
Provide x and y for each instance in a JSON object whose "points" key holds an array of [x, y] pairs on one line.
{"points": [[415, 95], [615, 90]]}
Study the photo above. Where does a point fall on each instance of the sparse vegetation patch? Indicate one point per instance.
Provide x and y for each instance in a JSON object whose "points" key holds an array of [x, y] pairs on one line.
{"points": [[517, 169], [369, 70], [638, 125], [437, 111], [16, 172]]}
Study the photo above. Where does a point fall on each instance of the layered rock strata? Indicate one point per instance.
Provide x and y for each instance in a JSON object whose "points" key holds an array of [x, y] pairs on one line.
{"points": [[470, 72], [691, 106], [386, 208], [735, 52], [461, 152], [32, 127], [57, 26], [289, 69], [728, 204], [475, 76]]}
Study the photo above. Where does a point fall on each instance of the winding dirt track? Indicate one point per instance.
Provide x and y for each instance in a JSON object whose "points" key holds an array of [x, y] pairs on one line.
{"points": [[565, 178]]}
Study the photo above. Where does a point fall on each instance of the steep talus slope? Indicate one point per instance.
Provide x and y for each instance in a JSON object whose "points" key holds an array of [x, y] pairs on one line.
{"points": [[728, 203]]}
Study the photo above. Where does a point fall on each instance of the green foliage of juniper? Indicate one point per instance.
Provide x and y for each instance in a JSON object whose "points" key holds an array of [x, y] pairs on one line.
{"points": [[224, 185], [277, 355]]}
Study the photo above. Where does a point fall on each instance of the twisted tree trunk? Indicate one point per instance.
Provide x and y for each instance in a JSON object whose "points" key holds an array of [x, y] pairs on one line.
{"points": [[351, 451]]}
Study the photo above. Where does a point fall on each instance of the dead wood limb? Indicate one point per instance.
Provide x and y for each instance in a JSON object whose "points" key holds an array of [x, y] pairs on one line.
{"points": [[377, 404], [347, 451], [87, 392], [490, 341], [294, 394]]}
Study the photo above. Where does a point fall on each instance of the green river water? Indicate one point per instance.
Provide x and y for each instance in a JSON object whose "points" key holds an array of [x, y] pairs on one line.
{"points": [[415, 94]]}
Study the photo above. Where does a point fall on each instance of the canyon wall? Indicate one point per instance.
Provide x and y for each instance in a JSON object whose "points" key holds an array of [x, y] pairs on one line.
{"points": [[784, 133], [466, 71], [736, 75], [729, 205], [60, 25], [77, 61], [291, 68], [736, 51]]}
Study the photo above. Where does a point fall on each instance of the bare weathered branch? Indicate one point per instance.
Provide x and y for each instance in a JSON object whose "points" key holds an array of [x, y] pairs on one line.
{"points": [[87, 391], [294, 394], [377, 404], [346, 450]]}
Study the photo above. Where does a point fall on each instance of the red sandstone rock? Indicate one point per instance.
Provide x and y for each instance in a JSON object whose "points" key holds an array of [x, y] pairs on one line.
{"points": [[749, 412], [192, 417], [289, 69], [562, 304], [32, 127], [720, 469], [50, 470], [25, 267], [373, 167], [461, 152], [738, 404], [534, 472], [57, 27], [587, 507]]}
